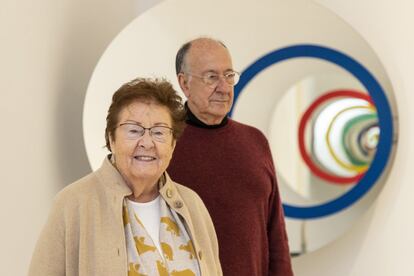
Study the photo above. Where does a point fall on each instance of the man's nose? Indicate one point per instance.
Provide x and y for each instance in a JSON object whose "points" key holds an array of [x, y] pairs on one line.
{"points": [[223, 85]]}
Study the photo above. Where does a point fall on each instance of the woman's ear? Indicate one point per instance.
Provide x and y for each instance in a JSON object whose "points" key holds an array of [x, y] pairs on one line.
{"points": [[112, 144]]}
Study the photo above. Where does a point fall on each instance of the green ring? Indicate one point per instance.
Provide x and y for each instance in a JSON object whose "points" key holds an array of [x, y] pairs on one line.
{"points": [[347, 128]]}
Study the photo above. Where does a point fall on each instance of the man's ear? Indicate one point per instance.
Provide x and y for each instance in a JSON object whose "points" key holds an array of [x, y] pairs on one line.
{"points": [[183, 81]]}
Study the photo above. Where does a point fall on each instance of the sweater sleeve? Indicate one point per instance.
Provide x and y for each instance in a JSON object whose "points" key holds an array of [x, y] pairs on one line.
{"points": [[49, 254], [279, 263]]}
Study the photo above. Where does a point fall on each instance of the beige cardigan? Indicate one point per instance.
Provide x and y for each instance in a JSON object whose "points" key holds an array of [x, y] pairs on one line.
{"points": [[84, 234]]}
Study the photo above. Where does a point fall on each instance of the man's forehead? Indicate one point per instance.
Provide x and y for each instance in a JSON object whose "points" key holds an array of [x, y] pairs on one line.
{"points": [[207, 45], [204, 41], [209, 56]]}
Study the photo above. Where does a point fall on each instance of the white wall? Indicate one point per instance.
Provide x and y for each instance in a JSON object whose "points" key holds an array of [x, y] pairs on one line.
{"points": [[48, 51]]}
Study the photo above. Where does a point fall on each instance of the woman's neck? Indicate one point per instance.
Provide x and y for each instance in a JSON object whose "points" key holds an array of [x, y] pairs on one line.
{"points": [[143, 190], [144, 196]]}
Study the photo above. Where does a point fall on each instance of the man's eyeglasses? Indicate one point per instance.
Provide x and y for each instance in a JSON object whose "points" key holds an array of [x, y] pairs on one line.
{"points": [[212, 79], [134, 131]]}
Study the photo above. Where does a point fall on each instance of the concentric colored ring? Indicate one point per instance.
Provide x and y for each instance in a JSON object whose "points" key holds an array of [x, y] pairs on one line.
{"points": [[346, 135], [301, 135], [351, 167], [384, 121], [318, 148]]}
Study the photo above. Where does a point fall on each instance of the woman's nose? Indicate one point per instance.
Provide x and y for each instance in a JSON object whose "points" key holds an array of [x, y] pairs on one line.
{"points": [[146, 140]]}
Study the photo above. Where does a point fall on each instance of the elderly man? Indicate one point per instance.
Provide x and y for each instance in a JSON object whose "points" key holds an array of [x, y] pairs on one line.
{"points": [[229, 165]]}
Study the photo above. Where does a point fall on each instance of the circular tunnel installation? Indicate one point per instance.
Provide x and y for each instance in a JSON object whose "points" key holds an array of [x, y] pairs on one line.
{"points": [[364, 181], [342, 158]]}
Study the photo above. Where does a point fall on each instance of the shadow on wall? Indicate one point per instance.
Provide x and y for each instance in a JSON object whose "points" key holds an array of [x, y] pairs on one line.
{"points": [[88, 37]]}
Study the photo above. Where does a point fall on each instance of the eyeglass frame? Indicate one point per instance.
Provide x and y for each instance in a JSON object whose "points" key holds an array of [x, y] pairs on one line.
{"points": [[204, 78], [149, 131]]}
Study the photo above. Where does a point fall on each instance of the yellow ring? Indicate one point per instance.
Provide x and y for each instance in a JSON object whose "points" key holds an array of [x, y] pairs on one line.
{"points": [[349, 167]]}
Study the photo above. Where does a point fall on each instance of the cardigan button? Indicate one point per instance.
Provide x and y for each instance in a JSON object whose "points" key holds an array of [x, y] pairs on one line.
{"points": [[169, 193], [178, 204]]}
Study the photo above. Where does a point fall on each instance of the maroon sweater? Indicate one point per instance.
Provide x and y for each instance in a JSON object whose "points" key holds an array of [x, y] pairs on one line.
{"points": [[231, 168]]}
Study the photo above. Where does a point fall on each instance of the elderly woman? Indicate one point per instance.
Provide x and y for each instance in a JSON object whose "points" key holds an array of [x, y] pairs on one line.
{"points": [[129, 217]]}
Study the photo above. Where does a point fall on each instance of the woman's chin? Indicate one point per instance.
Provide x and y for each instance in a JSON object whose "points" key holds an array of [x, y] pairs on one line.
{"points": [[146, 173]]}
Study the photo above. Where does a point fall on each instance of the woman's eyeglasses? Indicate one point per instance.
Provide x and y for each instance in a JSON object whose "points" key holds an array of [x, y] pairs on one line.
{"points": [[134, 131]]}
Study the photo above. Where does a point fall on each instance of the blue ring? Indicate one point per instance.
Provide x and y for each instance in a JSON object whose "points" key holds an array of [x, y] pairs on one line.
{"points": [[384, 116]]}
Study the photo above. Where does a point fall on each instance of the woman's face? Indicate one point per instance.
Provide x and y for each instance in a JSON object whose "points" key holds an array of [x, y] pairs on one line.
{"points": [[142, 158]]}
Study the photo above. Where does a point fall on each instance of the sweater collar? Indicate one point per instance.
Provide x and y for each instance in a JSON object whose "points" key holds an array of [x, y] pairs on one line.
{"points": [[191, 119]]}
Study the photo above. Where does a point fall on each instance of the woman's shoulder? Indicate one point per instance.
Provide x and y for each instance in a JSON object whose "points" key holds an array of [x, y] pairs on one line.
{"points": [[78, 190], [190, 197], [195, 205], [186, 192]]}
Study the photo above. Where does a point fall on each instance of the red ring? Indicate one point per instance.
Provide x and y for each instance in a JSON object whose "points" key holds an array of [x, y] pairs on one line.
{"points": [[301, 135]]}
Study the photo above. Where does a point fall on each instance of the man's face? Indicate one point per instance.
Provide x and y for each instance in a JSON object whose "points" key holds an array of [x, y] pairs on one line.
{"points": [[210, 103]]}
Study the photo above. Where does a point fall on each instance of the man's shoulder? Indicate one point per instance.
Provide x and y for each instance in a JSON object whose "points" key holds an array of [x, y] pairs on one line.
{"points": [[240, 125], [247, 129]]}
